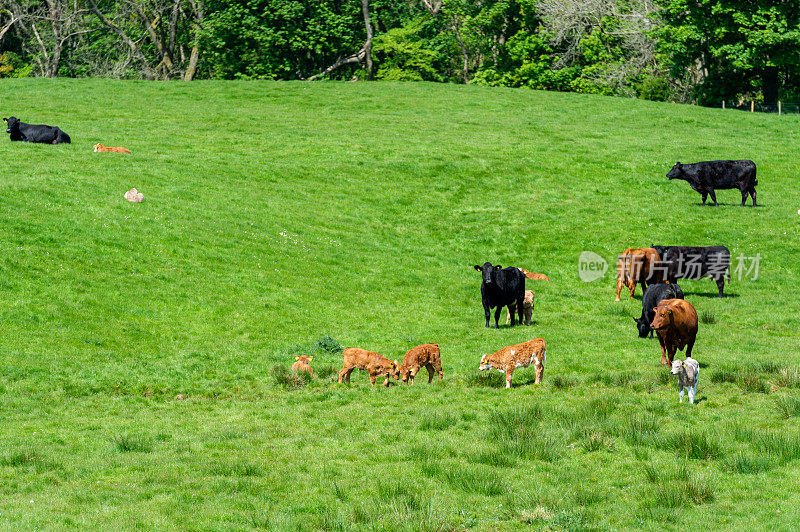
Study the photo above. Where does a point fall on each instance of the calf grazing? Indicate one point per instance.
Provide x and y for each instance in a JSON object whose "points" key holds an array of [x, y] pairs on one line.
{"points": [[688, 373], [427, 356], [707, 176], [521, 355], [675, 323], [527, 307], [302, 364], [654, 294], [35, 133], [636, 265], [375, 364], [501, 288], [99, 147], [695, 262]]}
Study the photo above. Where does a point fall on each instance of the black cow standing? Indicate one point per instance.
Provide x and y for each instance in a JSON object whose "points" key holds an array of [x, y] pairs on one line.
{"points": [[687, 262], [35, 133], [502, 288], [652, 296], [708, 176]]}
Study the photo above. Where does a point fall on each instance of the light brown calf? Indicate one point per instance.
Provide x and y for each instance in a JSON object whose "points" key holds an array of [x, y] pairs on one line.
{"points": [[527, 308], [427, 356], [302, 364], [374, 363], [521, 355], [100, 147], [636, 265]]}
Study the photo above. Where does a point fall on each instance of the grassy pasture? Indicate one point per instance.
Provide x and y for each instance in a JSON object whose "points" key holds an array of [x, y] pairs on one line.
{"points": [[287, 218]]}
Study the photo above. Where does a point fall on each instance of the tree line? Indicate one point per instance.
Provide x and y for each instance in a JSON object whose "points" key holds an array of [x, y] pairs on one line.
{"points": [[702, 51]]}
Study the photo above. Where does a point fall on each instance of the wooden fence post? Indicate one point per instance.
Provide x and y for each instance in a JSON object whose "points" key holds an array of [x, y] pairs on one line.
{"points": [[723, 104], [752, 106], [779, 108]]}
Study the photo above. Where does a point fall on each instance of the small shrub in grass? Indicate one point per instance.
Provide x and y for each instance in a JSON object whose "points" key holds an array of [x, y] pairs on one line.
{"points": [[326, 343], [693, 444], [560, 382], [788, 406], [638, 429], [751, 382], [133, 444], [707, 317], [770, 367], [784, 447], [286, 379], [747, 464], [597, 442]]}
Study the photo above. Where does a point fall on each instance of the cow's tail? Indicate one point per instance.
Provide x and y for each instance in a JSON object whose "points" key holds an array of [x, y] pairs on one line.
{"points": [[534, 276]]}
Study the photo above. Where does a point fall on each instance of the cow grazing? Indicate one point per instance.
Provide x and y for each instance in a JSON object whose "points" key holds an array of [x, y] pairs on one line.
{"points": [[501, 288], [302, 364], [675, 323], [521, 355], [695, 262], [375, 364], [636, 266], [527, 307], [707, 176], [688, 373], [654, 294], [35, 133], [423, 356]]}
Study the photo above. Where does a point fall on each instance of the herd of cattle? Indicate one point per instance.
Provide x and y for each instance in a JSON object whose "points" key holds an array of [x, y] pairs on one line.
{"points": [[657, 269]]}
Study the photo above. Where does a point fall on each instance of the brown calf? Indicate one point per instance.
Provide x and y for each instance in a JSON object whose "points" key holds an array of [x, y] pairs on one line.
{"points": [[302, 364], [521, 355], [636, 265], [527, 308], [427, 356], [675, 324], [374, 363]]}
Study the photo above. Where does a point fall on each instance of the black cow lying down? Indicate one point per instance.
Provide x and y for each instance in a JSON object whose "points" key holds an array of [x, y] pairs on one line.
{"points": [[502, 288], [708, 176], [687, 262], [654, 294], [34, 133]]}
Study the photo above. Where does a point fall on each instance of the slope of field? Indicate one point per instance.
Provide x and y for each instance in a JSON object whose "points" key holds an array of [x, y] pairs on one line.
{"points": [[288, 218]]}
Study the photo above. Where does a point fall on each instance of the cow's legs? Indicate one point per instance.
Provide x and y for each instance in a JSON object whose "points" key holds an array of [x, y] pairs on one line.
{"points": [[720, 284], [438, 367], [632, 287], [520, 309], [705, 195], [670, 355], [528, 316], [509, 312], [372, 379], [753, 195], [488, 312], [713, 197], [692, 391], [509, 373], [619, 288], [689, 346], [680, 395], [412, 373], [342, 373], [744, 195], [497, 318], [663, 354], [431, 371]]}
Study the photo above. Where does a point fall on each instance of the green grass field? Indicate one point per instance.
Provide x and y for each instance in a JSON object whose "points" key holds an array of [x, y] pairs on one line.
{"points": [[286, 218]]}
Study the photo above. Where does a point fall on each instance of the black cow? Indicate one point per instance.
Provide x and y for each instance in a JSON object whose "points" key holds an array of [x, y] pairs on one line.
{"points": [[687, 262], [35, 133], [502, 288], [652, 296], [708, 176]]}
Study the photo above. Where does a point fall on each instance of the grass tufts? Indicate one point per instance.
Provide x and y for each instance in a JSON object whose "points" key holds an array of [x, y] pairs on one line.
{"points": [[475, 480], [326, 343], [133, 444], [597, 442], [746, 464], [698, 489], [286, 379], [18, 458], [707, 317], [694, 444], [788, 378], [788, 406], [237, 469], [436, 421], [560, 382], [651, 473]]}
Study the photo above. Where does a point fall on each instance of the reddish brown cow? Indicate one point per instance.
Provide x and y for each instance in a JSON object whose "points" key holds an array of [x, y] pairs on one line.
{"points": [[374, 363], [427, 356], [636, 265], [675, 324]]}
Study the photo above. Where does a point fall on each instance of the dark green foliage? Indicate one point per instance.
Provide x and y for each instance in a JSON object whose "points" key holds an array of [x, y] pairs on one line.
{"points": [[326, 343], [287, 379], [707, 317], [693, 444]]}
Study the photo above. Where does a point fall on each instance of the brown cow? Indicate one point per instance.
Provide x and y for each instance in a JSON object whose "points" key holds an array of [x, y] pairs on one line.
{"points": [[675, 324], [533, 276], [637, 265], [302, 364], [427, 356], [527, 308], [521, 355], [374, 363]]}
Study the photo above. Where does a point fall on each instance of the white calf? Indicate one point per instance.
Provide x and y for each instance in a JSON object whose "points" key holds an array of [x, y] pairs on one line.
{"points": [[688, 373]]}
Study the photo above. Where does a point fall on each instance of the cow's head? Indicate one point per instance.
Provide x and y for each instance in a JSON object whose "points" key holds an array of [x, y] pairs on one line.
{"points": [[394, 371], [12, 123], [98, 146], [662, 318], [661, 250], [677, 367], [676, 172], [304, 359], [487, 270], [485, 366], [643, 326], [405, 373]]}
